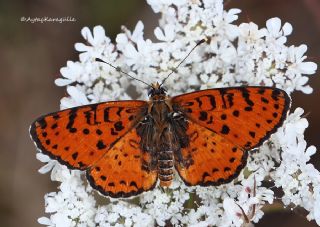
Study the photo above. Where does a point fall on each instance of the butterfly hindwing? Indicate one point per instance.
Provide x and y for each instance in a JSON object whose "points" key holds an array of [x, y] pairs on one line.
{"points": [[124, 170], [246, 116], [80, 136], [209, 159]]}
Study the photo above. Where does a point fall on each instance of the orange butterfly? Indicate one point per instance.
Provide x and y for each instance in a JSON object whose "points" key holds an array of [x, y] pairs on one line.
{"points": [[125, 146]]}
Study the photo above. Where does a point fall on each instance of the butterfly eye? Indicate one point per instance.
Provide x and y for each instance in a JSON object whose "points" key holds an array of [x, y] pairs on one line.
{"points": [[175, 114], [147, 119], [162, 90], [151, 92]]}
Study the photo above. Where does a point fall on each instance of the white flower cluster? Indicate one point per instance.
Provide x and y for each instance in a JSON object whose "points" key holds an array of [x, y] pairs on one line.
{"points": [[234, 55]]}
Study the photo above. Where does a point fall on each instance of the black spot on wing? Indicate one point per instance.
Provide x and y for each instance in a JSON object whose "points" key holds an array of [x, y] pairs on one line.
{"points": [[225, 129], [236, 113], [263, 99], [203, 116], [42, 122], [74, 155], [113, 132], [119, 111], [212, 101], [100, 145], [199, 102], [252, 134], [246, 96], [72, 117], [204, 175], [55, 125], [134, 184], [99, 132], [118, 126], [223, 116], [106, 114], [275, 94]]}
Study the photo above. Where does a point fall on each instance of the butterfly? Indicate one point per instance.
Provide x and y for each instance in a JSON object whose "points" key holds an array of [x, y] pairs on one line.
{"points": [[126, 146]]}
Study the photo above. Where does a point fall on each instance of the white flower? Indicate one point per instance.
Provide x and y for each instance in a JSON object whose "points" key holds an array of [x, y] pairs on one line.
{"points": [[250, 32], [233, 56], [123, 39], [50, 163], [275, 30], [233, 212], [297, 66], [167, 34], [71, 73], [98, 42]]}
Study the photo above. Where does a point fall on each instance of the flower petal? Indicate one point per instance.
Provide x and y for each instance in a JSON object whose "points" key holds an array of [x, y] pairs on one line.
{"points": [[44, 221], [274, 25], [77, 95], [62, 82], [308, 67]]}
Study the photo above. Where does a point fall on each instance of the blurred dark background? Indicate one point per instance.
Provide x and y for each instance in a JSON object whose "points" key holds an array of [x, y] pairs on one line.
{"points": [[32, 54]]}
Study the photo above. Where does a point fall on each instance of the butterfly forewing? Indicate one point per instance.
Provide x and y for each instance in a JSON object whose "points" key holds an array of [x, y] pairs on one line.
{"points": [[245, 116], [80, 136]]}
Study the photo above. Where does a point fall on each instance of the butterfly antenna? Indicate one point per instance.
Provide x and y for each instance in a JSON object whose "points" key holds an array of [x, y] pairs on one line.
{"points": [[119, 70], [173, 70]]}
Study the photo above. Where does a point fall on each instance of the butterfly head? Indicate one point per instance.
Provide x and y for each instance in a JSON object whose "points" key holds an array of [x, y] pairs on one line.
{"points": [[156, 90]]}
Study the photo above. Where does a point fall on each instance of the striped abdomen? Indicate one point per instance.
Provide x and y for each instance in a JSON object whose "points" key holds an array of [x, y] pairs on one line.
{"points": [[165, 168]]}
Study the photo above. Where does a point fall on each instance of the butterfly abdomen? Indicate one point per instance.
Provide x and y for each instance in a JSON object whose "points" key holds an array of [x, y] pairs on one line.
{"points": [[165, 167]]}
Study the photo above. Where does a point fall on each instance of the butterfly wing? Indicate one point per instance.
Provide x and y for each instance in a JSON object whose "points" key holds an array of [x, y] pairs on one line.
{"points": [[124, 170], [90, 137], [247, 116], [210, 159], [222, 125]]}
